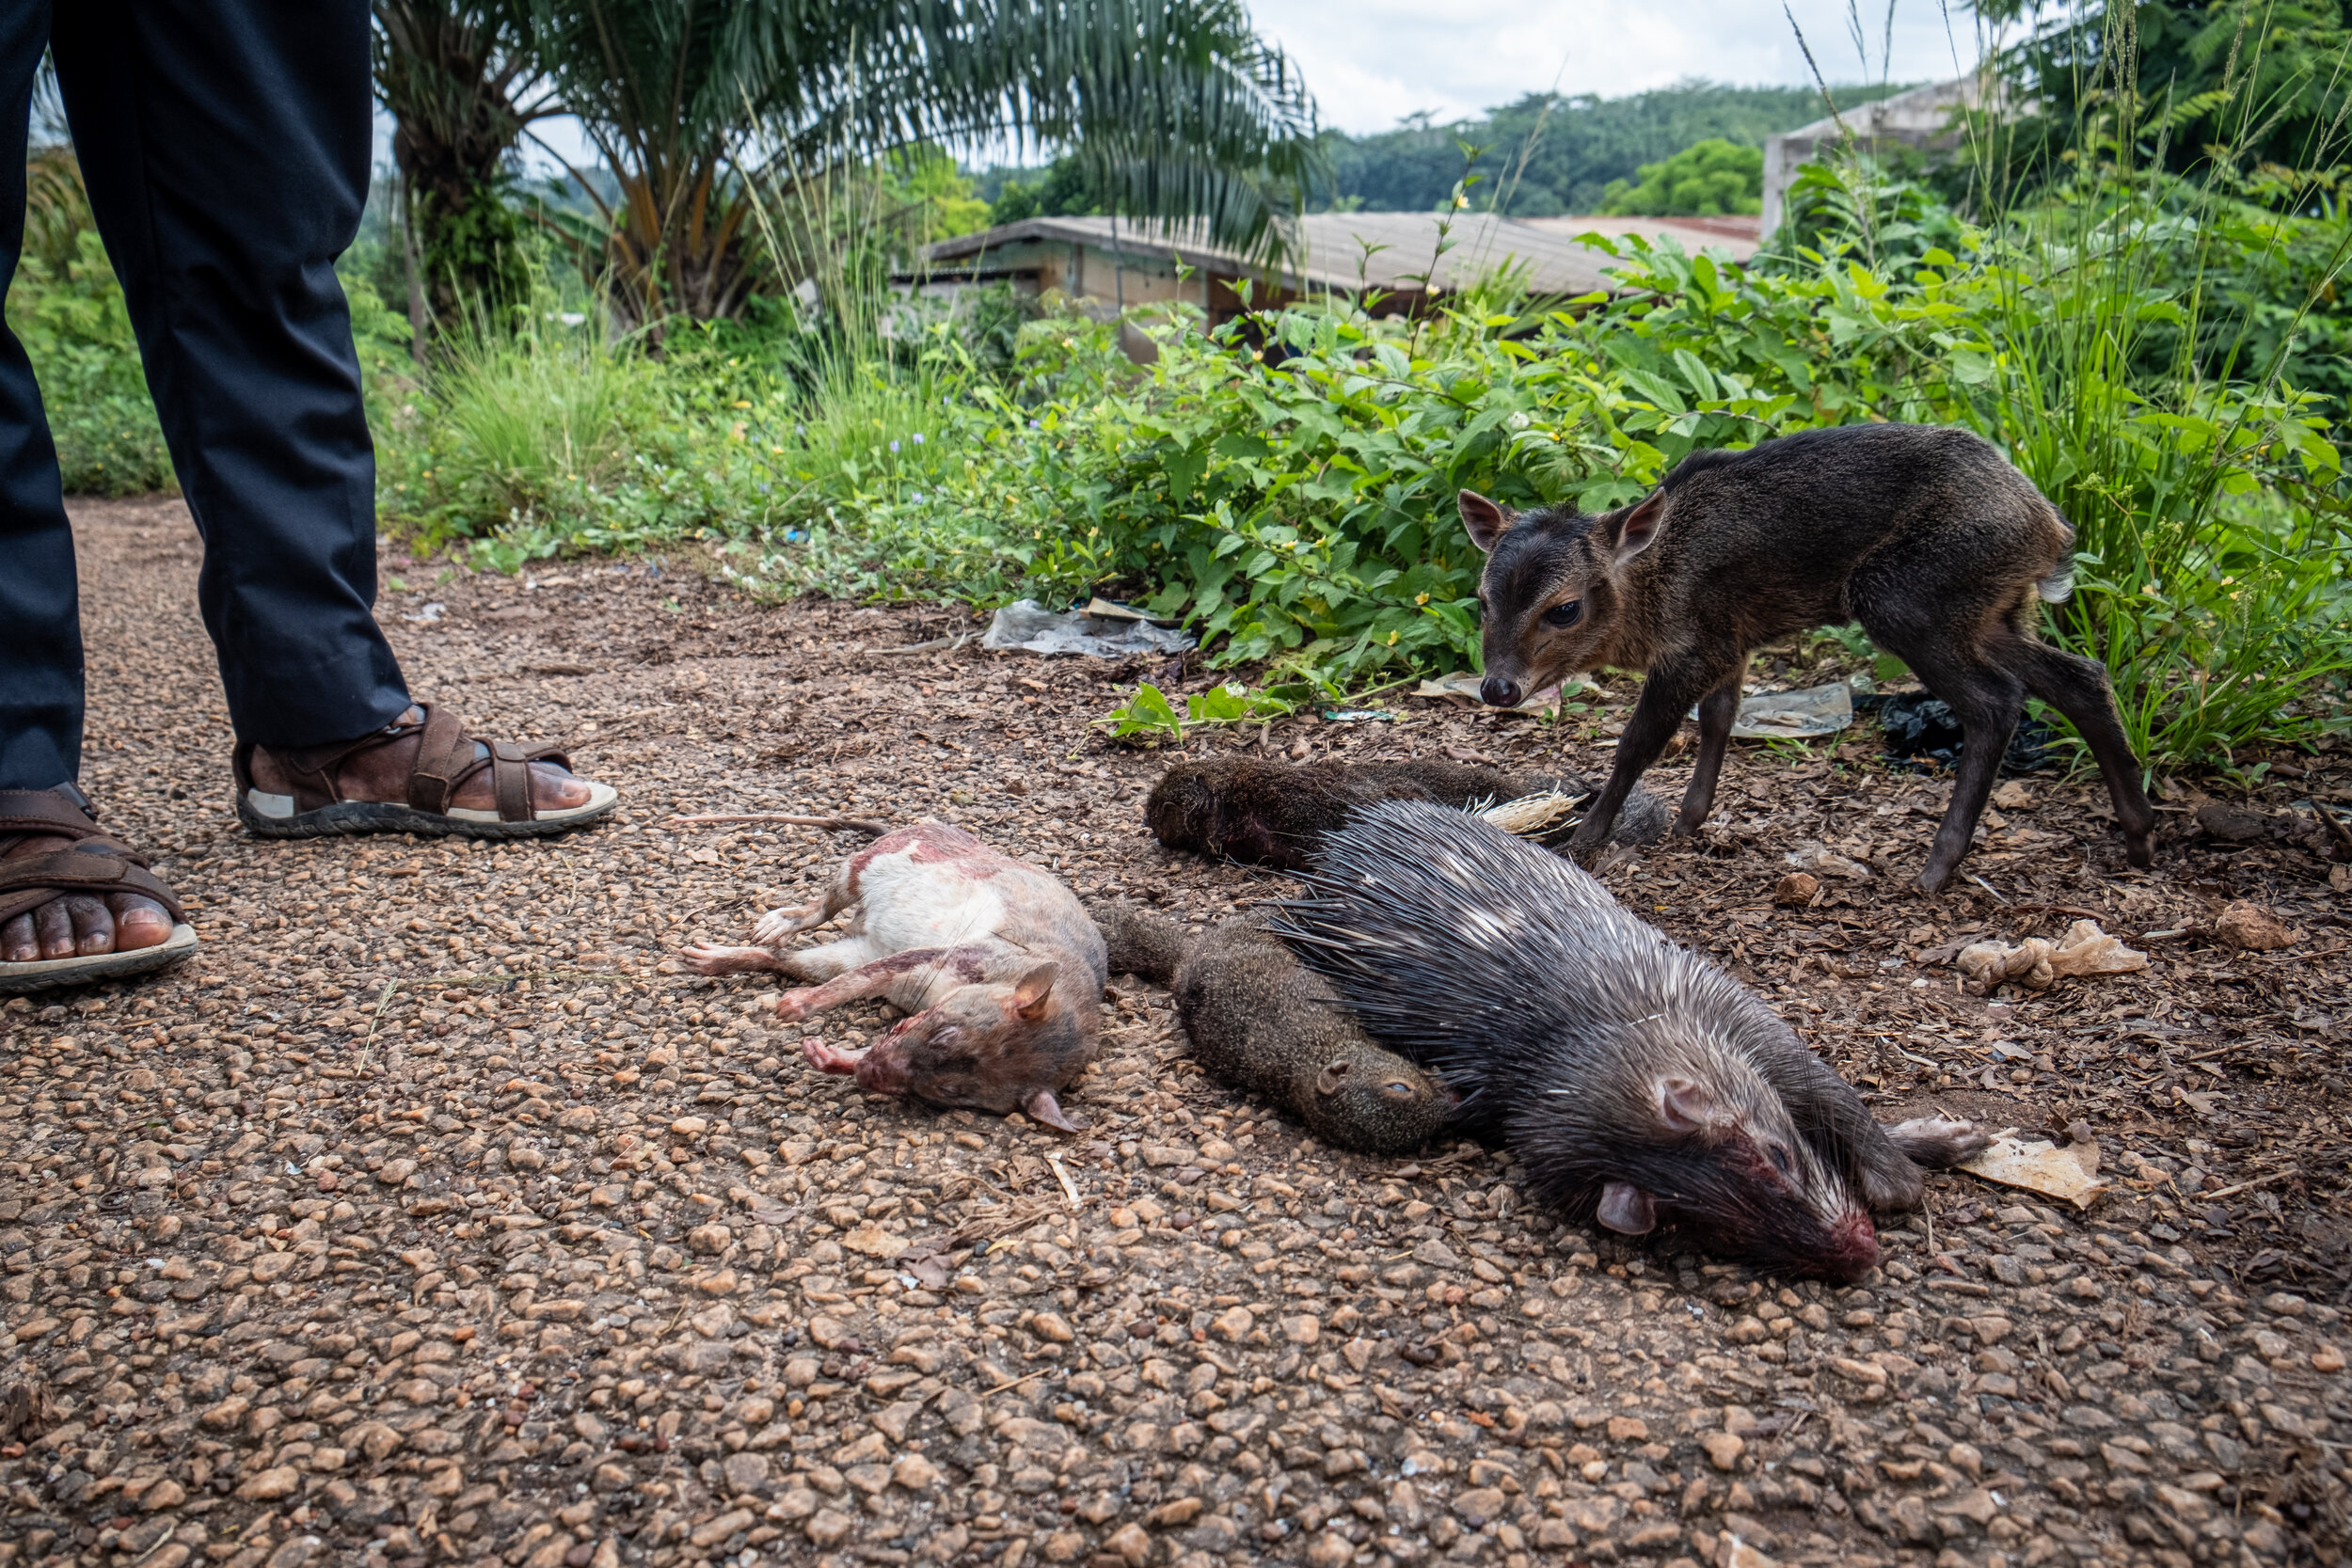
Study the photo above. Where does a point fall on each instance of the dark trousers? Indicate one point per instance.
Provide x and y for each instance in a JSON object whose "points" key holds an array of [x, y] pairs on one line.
{"points": [[225, 146]]}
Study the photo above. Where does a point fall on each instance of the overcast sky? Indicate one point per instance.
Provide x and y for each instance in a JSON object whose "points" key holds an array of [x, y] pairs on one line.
{"points": [[1371, 62]]}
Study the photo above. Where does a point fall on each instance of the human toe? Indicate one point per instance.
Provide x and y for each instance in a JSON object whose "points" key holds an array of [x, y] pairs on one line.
{"points": [[138, 922], [554, 788], [19, 945]]}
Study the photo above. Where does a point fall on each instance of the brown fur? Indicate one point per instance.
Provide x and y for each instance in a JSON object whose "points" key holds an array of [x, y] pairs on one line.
{"points": [[1271, 814], [1258, 1019], [1924, 534]]}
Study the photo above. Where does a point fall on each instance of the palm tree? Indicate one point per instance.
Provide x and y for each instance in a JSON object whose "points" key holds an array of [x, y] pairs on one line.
{"points": [[706, 109], [462, 85]]}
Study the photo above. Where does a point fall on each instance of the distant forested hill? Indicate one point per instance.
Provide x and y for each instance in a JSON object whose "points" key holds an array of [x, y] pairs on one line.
{"points": [[1582, 144]]}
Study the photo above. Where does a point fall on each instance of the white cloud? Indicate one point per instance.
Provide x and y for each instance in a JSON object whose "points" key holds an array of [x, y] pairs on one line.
{"points": [[1371, 62]]}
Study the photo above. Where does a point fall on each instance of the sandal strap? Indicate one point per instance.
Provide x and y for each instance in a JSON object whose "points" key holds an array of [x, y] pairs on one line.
{"points": [[101, 865], [47, 811], [444, 759]]}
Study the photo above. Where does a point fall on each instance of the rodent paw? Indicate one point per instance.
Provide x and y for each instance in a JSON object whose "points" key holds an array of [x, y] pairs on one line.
{"points": [[826, 1059]]}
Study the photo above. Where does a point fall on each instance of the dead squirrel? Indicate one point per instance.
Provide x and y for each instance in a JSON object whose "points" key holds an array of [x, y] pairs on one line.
{"points": [[1260, 1021], [1270, 813]]}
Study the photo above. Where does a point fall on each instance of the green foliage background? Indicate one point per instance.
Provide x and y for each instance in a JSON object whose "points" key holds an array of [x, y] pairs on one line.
{"points": [[1710, 179]]}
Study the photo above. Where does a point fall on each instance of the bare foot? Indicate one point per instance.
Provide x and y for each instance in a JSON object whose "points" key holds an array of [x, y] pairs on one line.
{"points": [[78, 925], [381, 773]]}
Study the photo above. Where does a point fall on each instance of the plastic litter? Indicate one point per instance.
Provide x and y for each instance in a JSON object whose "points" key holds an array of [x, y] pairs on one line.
{"points": [[1817, 710], [2071, 1174], [1031, 626], [1462, 691], [2038, 963], [426, 616], [1921, 728], [1359, 715]]}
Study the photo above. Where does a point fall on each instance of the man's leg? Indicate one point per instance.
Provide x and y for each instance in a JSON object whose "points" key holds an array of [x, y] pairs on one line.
{"points": [[40, 627], [41, 622], [227, 145]]}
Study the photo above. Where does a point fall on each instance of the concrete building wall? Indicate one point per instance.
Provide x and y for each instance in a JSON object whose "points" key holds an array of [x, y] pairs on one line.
{"points": [[1921, 118]]}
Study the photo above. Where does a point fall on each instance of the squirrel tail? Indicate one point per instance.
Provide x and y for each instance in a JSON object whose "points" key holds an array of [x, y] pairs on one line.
{"points": [[1145, 945]]}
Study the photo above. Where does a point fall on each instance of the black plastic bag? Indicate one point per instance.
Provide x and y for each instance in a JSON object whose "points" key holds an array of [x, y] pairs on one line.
{"points": [[1921, 730]]}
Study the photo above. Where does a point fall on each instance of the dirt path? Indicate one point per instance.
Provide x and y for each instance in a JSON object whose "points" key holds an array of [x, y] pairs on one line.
{"points": [[551, 1255]]}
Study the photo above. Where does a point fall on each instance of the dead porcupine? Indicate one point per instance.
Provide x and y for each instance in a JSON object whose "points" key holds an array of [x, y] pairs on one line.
{"points": [[1271, 814], [1260, 1020], [1640, 1084]]}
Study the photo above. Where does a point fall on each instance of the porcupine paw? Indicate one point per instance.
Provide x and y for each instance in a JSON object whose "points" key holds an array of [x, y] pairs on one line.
{"points": [[1938, 1143]]}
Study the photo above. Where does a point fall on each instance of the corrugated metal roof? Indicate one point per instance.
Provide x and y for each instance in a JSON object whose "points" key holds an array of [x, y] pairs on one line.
{"points": [[1385, 250]]}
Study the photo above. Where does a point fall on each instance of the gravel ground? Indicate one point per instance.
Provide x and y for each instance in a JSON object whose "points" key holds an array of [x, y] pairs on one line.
{"points": [[430, 1213]]}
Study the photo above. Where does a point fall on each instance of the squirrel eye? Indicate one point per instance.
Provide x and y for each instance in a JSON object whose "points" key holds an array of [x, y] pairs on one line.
{"points": [[1564, 614], [1781, 1161]]}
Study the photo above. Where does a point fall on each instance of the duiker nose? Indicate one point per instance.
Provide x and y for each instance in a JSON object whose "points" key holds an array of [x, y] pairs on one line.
{"points": [[1499, 691]]}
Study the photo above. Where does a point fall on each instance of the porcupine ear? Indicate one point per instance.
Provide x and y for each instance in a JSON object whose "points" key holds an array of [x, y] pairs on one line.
{"points": [[1333, 1077], [1626, 1209], [1686, 1106]]}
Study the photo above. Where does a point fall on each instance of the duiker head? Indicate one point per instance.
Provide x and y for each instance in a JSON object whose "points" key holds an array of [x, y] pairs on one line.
{"points": [[1554, 588]]}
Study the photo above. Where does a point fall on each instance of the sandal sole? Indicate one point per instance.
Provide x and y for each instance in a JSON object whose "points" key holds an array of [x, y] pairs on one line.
{"points": [[346, 819], [48, 973]]}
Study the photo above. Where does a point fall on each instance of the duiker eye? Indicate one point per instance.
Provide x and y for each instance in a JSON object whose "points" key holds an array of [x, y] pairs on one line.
{"points": [[1562, 616]]}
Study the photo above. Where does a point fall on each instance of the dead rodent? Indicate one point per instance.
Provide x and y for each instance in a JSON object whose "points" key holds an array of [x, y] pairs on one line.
{"points": [[1260, 1021], [1272, 814]]}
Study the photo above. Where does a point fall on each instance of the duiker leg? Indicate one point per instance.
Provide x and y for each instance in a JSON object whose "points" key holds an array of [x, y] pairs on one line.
{"points": [[1717, 709], [1667, 693], [792, 919], [1988, 702], [2077, 688]]}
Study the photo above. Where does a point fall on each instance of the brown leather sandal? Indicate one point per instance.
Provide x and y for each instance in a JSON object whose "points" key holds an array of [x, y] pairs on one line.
{"points": [[446, 759], [98, 863]]}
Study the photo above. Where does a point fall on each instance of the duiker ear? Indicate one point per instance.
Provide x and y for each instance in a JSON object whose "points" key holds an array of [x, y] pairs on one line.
{"points": [[1048, 1110], [1487, 521], [1030, 991], [1333, 1077], [1626, 1209], [1639, 529], [1687, 1106]]}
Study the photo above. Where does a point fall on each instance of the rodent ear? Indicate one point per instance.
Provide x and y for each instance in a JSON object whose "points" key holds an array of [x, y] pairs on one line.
{"points": [[1639, 529], [1029, 992], [1685, 1105], [1487, 521], [1048, 1110], [1626, 1209], [1333, 1077]]}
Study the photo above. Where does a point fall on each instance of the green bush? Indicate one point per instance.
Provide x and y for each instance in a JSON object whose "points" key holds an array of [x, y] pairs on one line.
{"points": [[1710, 178], [77, 331]]}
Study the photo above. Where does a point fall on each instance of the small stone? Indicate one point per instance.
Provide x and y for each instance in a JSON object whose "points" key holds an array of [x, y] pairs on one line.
{"points": [[1331, 1550], [1133, 1546], [1797, 889], [272, 1266], [2283, 1304], [1724, 1450], [2327, 1358], [1304, 1329], [1232, 1324], [164, 1494], [1480, 1504], [1183, 1511], [874, 1241], [690, 1126], [279, 1482], [396, 1173], [1051, 1326], [1627, 1429], [915, 1473], [828, 1528]]}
